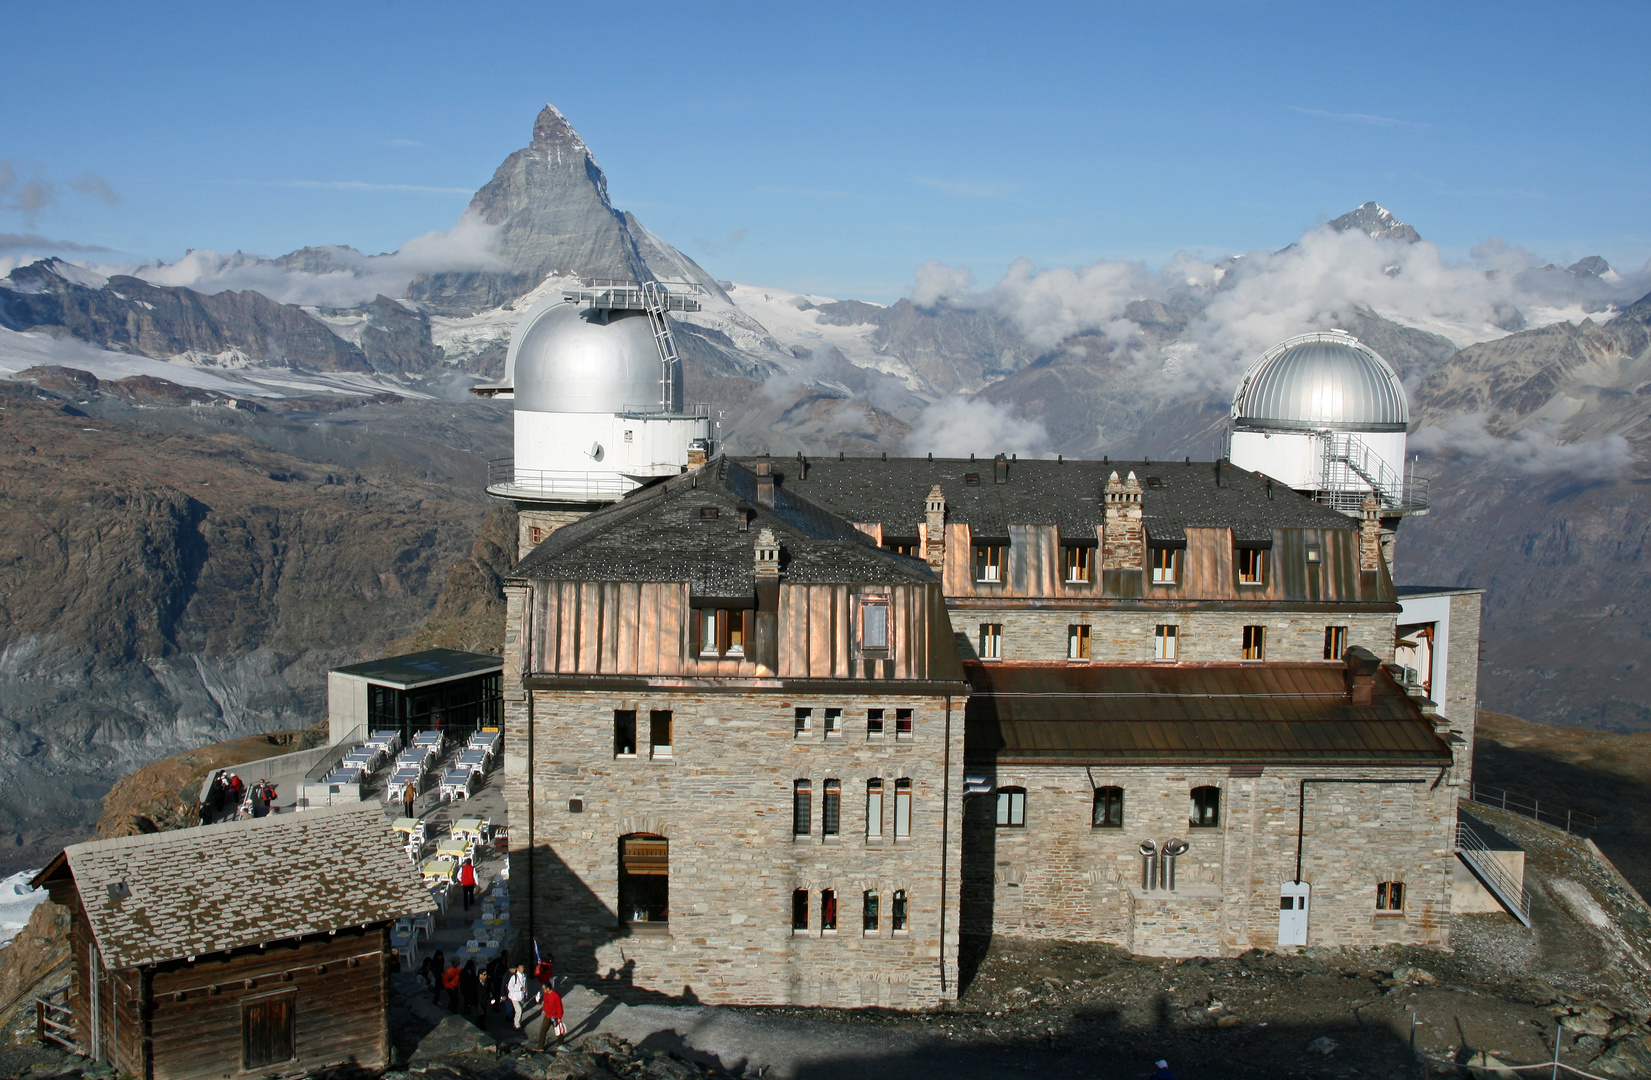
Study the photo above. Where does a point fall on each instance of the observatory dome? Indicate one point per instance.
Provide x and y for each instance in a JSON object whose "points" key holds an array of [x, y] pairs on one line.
{"points": [[565, 358], [1321, 381]]}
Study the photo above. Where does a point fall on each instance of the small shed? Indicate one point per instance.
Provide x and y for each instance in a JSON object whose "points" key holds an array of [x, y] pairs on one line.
{"points": [[248, 948], [438, 688]]}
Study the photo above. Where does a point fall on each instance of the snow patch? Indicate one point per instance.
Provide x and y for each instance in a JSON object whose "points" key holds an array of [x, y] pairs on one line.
{"points": [[17, 903]]}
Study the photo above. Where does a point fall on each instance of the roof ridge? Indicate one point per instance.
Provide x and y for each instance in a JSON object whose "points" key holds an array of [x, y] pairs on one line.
{"points": [[167, 836]]}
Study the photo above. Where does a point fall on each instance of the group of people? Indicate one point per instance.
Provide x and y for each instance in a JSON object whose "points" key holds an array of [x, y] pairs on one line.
{"points": [[225, 794], [478, 992]]}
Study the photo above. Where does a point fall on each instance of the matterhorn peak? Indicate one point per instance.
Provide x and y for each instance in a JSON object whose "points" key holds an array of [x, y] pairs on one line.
{"points": [[1376, 222], [551, 127]]}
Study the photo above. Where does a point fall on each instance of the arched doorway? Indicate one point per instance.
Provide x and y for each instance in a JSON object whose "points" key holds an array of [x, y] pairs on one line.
{"points": [[644, 881]]}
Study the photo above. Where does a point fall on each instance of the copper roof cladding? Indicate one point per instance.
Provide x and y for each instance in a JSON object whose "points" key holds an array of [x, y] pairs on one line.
{"points": [[1044, 714]]}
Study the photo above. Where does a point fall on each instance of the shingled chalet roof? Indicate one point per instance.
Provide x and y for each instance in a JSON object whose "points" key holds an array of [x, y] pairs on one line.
{"points": [[1183, 714], [692, 528], [189, 892], [1176, 495]]}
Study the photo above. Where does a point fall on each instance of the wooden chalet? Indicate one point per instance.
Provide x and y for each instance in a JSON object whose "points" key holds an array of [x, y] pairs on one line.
{"points": [[249, 948]]}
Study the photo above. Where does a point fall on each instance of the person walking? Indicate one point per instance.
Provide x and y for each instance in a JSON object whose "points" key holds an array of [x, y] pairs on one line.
{"points": [[1163, 1072], [237, 788], [467, 881], [544, 972], [498, 970], [470, 990], [551, 1007], [450, 981], [517, 992], [425, 973], [438, 968], [409, 795], [213, 804]]}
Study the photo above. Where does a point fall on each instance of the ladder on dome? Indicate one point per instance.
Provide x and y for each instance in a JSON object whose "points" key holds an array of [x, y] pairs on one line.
{"points": [[656, 298]]}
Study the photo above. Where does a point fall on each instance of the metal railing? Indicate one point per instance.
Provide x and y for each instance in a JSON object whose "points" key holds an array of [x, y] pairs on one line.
{"points": [[695, 410], [54, 1019], [633, 295], [1477, 854], [1352, 472], [595, 487], [1560, 817]]}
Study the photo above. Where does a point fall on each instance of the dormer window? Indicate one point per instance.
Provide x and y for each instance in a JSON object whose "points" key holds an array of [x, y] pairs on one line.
{"points": [[874, 625], [1078, 564], [989, 563], [721, 631], [1252, 566]]}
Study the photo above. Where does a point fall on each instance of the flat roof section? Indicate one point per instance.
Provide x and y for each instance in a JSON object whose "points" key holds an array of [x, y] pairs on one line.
{"points": [[424, 668], [1164, 714]]}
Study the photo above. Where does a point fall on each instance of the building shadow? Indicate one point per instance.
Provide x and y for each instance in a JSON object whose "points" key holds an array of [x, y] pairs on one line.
{"points": [[977, 907]]}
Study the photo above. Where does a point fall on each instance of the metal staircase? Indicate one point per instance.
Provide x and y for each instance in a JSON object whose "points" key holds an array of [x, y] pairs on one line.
{"points": [[657, 299], [1351, 472], [1473, 850]]}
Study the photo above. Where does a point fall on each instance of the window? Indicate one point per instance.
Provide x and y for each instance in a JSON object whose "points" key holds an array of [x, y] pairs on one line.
{"points": [[902, 809], [804, 722], [659, 732], [721, 631], [1163, 566], [874, 625], [874, 721], [874, 809], [624, 733], [902, 723], [1077, 642], [1011, 807], [991, 641], [799, 911], [1164, 642], [1314, 554], [900, 546], [868, 910], [1251, 566], [989, 563], [1255, 643], [266, 1031], [802, 807], [1335, 642], [834, 723], [644, 880], [828, 911], [1077, 562], [897, 914], [831, 808], [1390, 896], [1206, 807], [535, 534], [1108, 812]]}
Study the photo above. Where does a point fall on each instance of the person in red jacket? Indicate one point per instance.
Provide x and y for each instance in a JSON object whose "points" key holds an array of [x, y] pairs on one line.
{"points": [[551, 1005], [450, 980], [467, 880]]}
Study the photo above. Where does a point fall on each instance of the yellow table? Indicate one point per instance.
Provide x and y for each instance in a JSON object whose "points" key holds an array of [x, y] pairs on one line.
{"points": [[405, 825], [440, 869], [471, 827], [454, 849]]}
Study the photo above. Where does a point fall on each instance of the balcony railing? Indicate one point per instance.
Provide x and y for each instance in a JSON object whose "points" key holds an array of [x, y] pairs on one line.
{"points": [[504, 478]]}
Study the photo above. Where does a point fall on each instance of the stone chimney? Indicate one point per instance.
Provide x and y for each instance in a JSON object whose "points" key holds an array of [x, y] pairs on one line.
{"points": [[697, 452], [1370, 534], [1000, 470], [767, 556], [1123, 540], [1361, 675], [765, 483], [934, 529]]}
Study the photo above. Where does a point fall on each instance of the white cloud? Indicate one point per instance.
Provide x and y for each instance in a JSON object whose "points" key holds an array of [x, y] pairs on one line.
{"points": [[342, 277], [97, 187], [956, 426], [937, 281], [1533, 451]]}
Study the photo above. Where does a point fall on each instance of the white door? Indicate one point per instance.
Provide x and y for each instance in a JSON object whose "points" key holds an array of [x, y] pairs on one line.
{"points": [[1292, 912]]}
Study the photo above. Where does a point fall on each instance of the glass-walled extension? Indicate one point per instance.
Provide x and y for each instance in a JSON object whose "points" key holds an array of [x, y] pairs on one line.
{"points": [[454, 691]]}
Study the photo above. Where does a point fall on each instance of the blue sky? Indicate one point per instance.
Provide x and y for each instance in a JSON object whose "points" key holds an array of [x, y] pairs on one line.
{"points": [[836, 148]]}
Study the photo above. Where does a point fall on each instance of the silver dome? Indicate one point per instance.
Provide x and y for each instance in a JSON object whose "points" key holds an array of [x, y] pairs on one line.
{"points": [[567, 358], [1322, 381]]}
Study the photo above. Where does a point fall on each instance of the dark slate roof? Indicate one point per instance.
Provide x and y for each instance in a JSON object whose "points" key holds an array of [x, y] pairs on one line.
{"points": [[660, 533], [1179, 714], [1067, 494], [422, 668], [189, 892]]}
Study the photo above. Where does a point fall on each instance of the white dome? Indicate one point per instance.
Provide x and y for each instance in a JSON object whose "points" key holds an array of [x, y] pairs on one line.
{"points": [[1321, 381], [569, 359]]}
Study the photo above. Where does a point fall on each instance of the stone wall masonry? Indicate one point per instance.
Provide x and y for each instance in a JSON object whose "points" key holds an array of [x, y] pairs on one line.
{"points": [[1060, 877], [1204, 636], [536, 522], [724, 801], [1462, 674]]}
